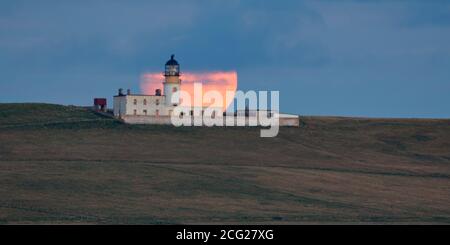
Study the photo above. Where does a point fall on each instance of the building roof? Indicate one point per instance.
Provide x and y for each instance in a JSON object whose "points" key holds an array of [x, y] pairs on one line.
{"points": [[172, 61], [99, 101]]}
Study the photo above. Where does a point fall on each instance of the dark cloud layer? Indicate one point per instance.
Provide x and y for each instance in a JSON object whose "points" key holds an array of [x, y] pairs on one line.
{"points": [[367, 58]]}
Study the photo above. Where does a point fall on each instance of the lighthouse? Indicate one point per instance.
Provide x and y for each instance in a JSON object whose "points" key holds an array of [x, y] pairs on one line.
{"points": [[172, 82], [160, 108]]}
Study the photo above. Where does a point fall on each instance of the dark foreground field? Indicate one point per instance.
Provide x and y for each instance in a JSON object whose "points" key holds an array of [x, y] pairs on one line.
{"points": [[68, 165]]}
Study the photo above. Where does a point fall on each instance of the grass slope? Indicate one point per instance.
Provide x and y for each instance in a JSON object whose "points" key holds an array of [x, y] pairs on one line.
{"points": [[63, 164], [48, 115]]}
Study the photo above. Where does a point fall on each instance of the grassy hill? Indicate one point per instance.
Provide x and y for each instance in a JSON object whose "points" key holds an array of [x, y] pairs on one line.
{"points": [[62, 164], [49, 115]]}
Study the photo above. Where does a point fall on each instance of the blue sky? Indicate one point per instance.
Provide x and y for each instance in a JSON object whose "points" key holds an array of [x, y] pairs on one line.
{"points": [[347, 58]]}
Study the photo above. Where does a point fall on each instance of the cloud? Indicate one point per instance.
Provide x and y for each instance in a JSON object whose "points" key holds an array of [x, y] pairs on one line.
{"points": [[220, 81], [333, 47]]}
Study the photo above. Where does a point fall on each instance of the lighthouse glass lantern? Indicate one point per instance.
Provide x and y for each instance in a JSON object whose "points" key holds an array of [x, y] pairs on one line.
{"points": [[172, 67]]}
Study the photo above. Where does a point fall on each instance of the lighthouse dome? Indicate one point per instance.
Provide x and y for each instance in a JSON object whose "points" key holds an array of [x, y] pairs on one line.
{"points": [[172, 61]]}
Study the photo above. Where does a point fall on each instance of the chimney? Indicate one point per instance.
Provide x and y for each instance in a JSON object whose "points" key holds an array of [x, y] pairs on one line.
{"points": [[128, 91], [120, 92]]}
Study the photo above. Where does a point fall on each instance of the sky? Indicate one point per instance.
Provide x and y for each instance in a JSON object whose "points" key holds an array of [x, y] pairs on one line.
{"points": [[342, 58]]}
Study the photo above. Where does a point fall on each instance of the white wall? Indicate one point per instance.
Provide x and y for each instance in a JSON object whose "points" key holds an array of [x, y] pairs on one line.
{"points": [[168, 92], [138, 104], [119, 106]]}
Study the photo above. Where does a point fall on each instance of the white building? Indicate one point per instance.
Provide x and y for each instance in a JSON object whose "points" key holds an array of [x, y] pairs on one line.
{"points": [[151, 105]]}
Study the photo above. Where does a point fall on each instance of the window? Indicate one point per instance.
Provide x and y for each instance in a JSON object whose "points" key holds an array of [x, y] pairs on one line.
{"points": [[145, 102], [145, 112], [135, 112], [213, 114], [192, 112], [174, 89], [135, 101], [157, 102]]}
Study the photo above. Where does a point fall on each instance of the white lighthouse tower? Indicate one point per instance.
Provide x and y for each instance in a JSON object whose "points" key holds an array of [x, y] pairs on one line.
{"points": [[172, 82]]}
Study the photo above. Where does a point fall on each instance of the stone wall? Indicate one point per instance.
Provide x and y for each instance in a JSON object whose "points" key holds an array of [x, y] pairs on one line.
{"points": [[165, 120], [292, 122], [147, 120]]}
